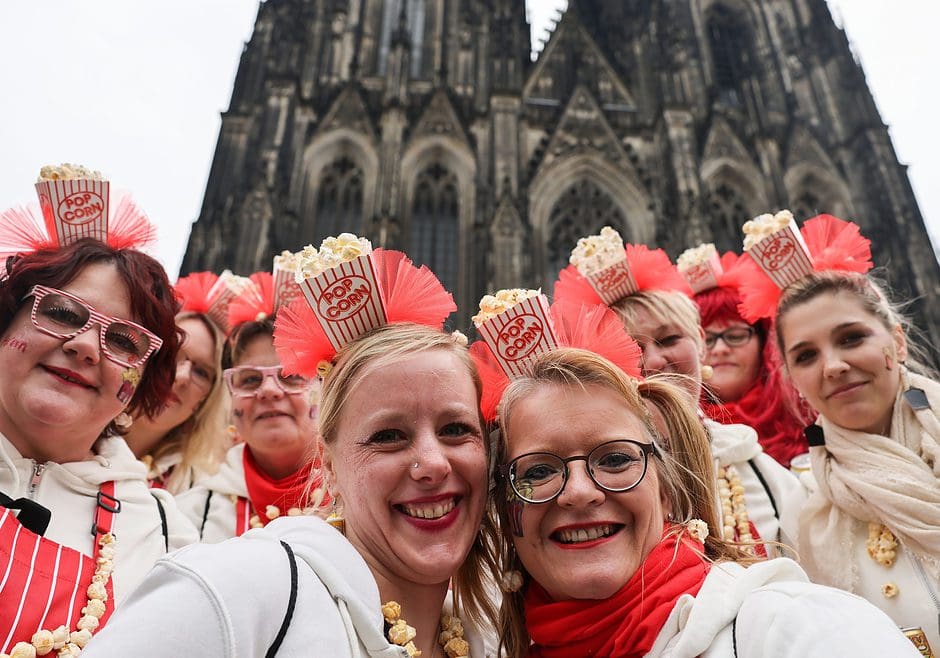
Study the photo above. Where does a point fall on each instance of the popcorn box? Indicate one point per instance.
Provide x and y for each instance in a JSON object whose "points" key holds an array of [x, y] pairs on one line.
{"points": [[614, 282], [75, 209], [346, 300], [704, 276], [286, 288], [783, 256], [516, 336], [222, 294]]}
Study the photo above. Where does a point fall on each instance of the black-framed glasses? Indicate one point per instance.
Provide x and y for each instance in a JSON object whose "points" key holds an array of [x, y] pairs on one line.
{"points": [[63, 315], [245, 381], [733, 337], [615, 466]]}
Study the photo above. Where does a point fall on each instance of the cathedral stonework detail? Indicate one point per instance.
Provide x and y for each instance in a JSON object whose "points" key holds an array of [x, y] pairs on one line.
{"points": [[425, 126]]}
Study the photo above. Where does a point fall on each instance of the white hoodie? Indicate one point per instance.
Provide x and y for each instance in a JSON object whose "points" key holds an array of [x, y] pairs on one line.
{"points": [[771, 610], [70, 491], [230, 600], [737, 445], [210, 505]]}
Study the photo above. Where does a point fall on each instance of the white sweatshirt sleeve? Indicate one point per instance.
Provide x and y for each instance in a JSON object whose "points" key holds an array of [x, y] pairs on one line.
{"points": [[799, 620]]}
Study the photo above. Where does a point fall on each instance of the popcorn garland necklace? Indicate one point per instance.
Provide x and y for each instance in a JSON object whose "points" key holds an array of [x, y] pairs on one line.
{"points": [[735, 522], [399, 632], [62, 641]]}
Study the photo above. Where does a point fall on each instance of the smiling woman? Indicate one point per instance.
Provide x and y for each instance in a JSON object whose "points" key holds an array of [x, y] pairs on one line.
{"points": [[618, 560], [86, 337]]}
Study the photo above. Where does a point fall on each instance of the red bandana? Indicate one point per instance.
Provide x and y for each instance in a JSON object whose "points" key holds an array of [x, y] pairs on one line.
{"points": [[284, 493], [626, 624], [779, 432]]}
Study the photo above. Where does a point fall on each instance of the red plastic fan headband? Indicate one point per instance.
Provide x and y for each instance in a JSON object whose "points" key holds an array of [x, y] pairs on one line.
{"points": [[651, 270], [195, 291], [594, 328], [834, 245], [254, 302], [23, 231], [409, 294]]}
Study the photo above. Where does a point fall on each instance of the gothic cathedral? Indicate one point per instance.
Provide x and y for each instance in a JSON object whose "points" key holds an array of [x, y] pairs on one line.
{"points": [[425, 126]]}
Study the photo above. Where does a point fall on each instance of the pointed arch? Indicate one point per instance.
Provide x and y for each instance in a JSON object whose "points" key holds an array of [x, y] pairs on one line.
{"points": [[733, 195], [812, 190], [339, 178], [618, 199]]}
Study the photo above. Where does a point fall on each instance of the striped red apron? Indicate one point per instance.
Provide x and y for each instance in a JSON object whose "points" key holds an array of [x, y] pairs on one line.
{"points": [[44, 584]]}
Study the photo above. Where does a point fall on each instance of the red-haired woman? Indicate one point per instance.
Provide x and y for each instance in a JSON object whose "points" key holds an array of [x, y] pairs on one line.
{"points": [[87, 339], [746, 385]]}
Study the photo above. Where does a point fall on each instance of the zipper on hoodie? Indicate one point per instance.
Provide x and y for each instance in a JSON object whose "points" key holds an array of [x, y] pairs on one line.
{"points": [[919, 568], [34, 482]]}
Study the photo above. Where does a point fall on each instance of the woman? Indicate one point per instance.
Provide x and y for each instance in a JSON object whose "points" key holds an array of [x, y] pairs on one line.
{"points": [[870, 524], [274, 414], [187, 437], [405, 458], [609, 547], [746, 386], [88, 339], [664, 321]]}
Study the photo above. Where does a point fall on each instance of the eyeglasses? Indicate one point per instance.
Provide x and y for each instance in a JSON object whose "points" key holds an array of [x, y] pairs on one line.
{"points": [[733, 337], [59, 314], [245, 381], [201, 375], [615, 466]]}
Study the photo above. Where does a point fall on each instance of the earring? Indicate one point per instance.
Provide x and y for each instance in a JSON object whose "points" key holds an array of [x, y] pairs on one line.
{"points": [[123, 421], [336, 520], [511, 581], [707, 372], [889, 362], [697, 529]]}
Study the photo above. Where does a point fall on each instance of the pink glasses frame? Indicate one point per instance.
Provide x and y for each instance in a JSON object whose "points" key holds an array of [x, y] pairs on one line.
{"points": [[104, 322], [266, 371]]}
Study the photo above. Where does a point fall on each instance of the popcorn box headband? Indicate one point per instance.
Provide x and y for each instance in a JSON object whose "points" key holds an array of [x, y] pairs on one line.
{"points": [[786, 255], [516, 326], [348, 289], [701, 267], [650, 269], [284, 270], [595, 328], [74, 203]]}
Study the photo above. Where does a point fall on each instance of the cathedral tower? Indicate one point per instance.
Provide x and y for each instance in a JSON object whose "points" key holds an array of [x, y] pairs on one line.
{"points": [[424, 125]]}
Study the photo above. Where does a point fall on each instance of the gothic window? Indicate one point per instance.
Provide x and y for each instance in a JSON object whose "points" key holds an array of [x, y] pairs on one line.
{"points": [[808, 203], [583, 209], [414, 22], [731, 49], [338, 207], [728, 212], [434, 223]]}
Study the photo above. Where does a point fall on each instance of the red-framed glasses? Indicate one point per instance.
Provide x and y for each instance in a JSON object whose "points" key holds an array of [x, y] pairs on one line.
{"points": [[62, 315]]}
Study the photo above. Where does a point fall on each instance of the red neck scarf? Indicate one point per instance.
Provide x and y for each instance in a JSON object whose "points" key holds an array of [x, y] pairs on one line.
{"points": [[626, 624], [779, 432], [284, 493]]}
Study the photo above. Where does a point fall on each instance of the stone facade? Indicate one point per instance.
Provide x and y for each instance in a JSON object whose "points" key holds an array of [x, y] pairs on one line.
{"points": [[424, 125]]}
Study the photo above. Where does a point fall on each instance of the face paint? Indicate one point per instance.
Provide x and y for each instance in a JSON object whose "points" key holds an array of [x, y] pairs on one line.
{"points": [[131, 378], [515, 507], [238, 413], [13, 343]]}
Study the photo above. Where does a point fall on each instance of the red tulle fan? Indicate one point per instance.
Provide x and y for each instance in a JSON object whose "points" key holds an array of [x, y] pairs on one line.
{"points": [[23, 230], [410, 293], [593, 328], [255, 302], [834, 245], [651, 269], [195, 291]]}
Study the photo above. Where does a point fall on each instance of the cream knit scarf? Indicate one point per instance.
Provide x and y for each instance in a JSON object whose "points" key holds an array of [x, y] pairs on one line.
{"points": [[866, 478]]}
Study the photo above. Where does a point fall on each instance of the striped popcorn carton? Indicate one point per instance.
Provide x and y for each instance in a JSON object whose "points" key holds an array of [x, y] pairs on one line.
{"points": [[519, 334], [286, 288], [346, 300], [701, 267], [613, 282], [783, 255], [74, 209]]}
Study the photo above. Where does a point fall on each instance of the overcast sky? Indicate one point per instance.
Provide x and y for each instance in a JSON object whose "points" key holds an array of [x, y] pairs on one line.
{"points": [[135, 89]]}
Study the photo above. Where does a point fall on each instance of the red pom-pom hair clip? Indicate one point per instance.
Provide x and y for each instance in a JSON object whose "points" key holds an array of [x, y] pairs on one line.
{"points": [[786, 255], [603, 271], [595, 328], [348, 290], [74, 203]]}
